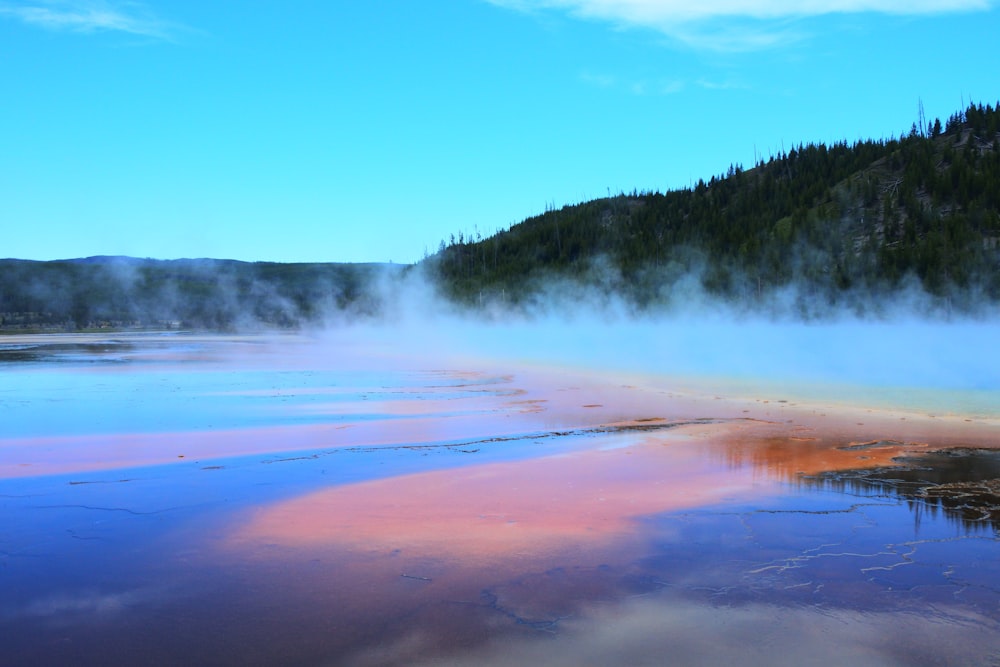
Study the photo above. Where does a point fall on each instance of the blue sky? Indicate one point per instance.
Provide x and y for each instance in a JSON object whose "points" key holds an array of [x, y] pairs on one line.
{"points": [[336, 130]]}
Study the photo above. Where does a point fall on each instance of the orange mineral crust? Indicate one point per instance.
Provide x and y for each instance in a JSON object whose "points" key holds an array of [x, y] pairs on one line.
{"points": [[674, 450], [519, 508]]}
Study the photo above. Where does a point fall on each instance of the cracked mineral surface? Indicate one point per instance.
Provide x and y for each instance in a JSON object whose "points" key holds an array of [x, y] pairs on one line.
{"points": [[242, 500]]}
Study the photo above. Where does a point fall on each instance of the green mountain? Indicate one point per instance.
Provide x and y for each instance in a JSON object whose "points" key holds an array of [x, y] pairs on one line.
{"points": [[123, 292], [835, 222]]}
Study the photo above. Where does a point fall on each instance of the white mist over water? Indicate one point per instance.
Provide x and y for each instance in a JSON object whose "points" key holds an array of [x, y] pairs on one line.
{"points": [[903, 341], [899, 340], [947, 366]]}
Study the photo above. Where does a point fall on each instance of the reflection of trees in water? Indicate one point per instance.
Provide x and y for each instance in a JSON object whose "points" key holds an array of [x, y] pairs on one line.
{"points": [[100, 351], [789, 458], [961, 484]]}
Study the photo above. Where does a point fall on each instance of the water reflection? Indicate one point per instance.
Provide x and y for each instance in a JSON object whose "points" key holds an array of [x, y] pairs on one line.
{"points": [[791, 457], [668, 630], [962, 484], [291, 503], [492, 512]]}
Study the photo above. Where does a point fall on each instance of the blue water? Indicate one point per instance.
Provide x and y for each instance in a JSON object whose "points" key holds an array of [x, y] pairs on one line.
{"points": [[129, 565]]}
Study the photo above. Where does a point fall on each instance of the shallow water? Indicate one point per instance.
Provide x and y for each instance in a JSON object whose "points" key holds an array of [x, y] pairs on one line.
{"points": [[296, 500]]}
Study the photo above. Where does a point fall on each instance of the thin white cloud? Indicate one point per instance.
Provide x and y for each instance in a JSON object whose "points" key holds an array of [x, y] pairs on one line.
{"points": [[760, 22], [91, 16], [735, 35], [599, 80], [721, 85], [655, 13], [671, 87], [634, 86]]}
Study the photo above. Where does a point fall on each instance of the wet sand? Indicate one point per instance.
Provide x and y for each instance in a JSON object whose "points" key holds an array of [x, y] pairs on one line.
{"points": [[297, 503]]}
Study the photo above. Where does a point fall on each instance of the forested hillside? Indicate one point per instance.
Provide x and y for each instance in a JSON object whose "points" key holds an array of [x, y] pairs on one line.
{"points": [[122, 292], [833, 225], [847, 219]]}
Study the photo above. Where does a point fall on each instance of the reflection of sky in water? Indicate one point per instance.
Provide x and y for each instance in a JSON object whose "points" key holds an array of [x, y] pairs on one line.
{"points": [[783, 580], [620, 547], [75, 401]]}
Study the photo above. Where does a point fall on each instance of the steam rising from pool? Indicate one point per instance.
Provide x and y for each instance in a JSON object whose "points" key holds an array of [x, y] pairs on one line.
{"points": [[900, 339]]}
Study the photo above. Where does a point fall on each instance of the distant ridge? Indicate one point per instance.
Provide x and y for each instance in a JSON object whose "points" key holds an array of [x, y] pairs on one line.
{"points": [[118, 292], [105, 259]]}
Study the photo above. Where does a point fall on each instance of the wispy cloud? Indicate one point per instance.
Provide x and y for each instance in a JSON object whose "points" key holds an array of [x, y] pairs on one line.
{"points": [[599, 80], [92, 16], [705, 24], [721, 85], [659, 12], [633, 86]]}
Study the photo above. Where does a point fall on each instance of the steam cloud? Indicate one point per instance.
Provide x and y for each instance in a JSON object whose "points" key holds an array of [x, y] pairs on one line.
{"points": [[904, 338]]}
